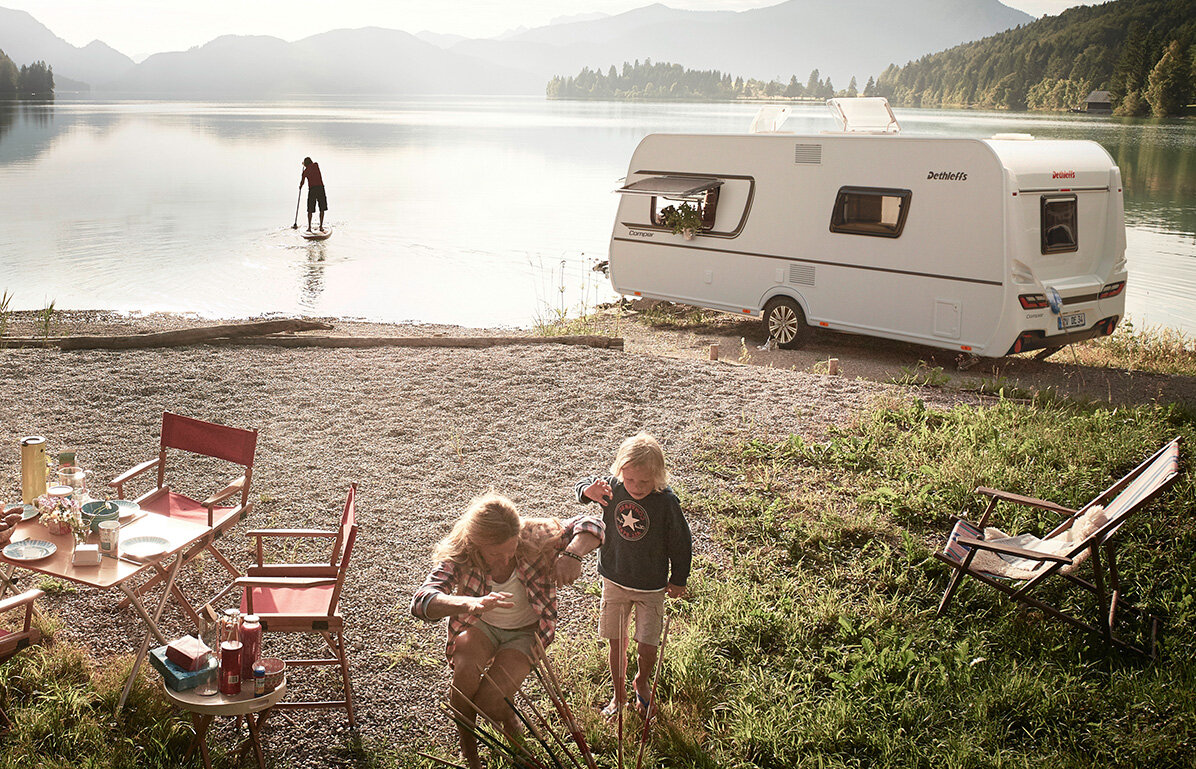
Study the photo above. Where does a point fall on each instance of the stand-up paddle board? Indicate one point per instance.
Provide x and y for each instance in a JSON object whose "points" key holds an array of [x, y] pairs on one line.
{"points": [[324, 234]]}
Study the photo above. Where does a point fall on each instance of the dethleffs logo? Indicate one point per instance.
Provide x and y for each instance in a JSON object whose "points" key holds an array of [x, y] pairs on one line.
{"points": [[948, 176], [1063, 174]]}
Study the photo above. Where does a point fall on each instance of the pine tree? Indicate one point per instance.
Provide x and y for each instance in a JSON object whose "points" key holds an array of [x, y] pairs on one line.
{"points": [[852, 90], [813, 84]]}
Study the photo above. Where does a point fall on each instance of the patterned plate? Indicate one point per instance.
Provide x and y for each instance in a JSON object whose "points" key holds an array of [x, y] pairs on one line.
{"points": [[143, 548], [30, 550]]}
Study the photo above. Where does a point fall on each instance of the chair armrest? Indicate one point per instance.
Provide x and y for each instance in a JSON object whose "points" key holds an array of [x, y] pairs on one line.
{"points": [[121, 479], [283, 581], [292, 570], [1021, 500], [1020, 552], [225, 493], [290, 533], [28, 597]]}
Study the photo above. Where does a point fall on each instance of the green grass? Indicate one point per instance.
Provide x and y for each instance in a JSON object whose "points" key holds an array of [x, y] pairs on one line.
{"points": [[1149, 348], [814, 641]]}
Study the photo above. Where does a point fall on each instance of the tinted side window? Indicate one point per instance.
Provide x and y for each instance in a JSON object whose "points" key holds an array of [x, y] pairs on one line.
{"points": [[870, 211], [1059, 224]]}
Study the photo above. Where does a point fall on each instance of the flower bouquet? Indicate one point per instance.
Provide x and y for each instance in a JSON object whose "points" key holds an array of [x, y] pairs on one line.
{"points": [[61, 515]]}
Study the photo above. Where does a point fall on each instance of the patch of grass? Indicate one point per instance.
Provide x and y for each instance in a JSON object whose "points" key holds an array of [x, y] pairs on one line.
{"points": [[46, 320], [814, 643], [674, 316], [5, 312], [1148, 348], [921, 375]]}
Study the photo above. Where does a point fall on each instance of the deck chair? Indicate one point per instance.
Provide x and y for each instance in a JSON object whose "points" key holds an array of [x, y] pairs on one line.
{"points": [[1016, 566], [206, 439], [13, 641], [305, 598]]}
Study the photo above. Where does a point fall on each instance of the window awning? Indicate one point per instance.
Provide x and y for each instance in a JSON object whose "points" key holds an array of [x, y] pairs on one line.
{"points": [[684, 187]]}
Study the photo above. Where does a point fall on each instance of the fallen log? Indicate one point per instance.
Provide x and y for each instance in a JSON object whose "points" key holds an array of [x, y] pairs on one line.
{"points": [[177, 338], [602, 342]]}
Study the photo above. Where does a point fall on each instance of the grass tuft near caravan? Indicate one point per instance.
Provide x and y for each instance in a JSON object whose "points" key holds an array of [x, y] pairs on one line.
{"points": [[985, 246]]}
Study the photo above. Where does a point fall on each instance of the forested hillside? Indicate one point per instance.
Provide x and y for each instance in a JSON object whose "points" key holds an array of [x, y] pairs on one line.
{"points": [[35, 79], [1141, 51]]}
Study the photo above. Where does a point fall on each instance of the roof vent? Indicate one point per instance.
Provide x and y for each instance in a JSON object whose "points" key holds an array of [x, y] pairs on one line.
{"points": [[865, 114]]}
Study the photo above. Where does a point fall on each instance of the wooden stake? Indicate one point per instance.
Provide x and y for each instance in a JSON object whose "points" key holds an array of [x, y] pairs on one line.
{"points": [[652, 706]]}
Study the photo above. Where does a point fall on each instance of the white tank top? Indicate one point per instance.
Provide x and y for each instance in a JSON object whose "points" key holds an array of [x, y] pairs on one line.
{"points": [[519, 615]]}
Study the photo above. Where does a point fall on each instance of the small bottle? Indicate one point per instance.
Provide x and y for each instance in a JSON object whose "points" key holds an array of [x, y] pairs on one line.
{"points": [[259, 680], [232, 625], [230, 668], [251, 644]]}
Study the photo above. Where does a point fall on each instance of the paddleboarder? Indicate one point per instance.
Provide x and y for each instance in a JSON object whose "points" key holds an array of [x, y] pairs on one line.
{"points": [[315, 191]]}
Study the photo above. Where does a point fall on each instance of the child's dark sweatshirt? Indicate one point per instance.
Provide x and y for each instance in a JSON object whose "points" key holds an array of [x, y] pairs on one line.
{"points": [[643, 538]]}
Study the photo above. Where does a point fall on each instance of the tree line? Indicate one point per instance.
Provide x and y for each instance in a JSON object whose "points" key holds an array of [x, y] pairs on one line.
{"points": [[1141, 51], [662, 80], [30, 80]]}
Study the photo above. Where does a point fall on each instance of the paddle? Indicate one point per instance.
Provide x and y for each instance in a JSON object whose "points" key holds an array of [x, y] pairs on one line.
{"points": [[295, 226]]}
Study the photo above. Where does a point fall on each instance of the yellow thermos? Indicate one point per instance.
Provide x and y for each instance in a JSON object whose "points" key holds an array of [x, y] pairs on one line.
{"points": [[33, 468]]}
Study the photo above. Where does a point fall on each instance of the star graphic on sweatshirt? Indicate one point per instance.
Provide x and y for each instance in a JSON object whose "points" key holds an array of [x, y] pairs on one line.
{"points": [[631, 520]]}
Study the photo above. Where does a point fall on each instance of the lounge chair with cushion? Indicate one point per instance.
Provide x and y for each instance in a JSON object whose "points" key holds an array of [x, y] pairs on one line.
{"points": [[1017, 566]]}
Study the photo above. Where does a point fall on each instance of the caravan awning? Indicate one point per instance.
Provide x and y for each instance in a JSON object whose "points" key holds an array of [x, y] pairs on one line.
{"points": [[684, 187]]}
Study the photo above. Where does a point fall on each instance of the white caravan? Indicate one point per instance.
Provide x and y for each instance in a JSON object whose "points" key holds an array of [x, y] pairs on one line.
{"points": [[989, 247]]}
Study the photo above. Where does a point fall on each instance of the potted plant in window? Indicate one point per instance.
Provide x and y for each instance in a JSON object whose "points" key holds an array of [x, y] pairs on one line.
{"points": [[684, 219]]}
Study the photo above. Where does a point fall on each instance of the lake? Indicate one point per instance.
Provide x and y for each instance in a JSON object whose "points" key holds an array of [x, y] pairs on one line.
{"points": [[478, 211]]}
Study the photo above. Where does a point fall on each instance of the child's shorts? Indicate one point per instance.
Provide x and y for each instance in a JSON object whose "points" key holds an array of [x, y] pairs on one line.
{"points": [[618, 604]]}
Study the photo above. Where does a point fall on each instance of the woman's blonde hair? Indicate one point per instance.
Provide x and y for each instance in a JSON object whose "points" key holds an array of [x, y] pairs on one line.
{"points": [[492, 519], [642, 450]]}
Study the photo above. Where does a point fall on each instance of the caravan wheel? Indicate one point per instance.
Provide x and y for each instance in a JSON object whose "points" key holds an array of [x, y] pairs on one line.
{"points": [[785, 322]]}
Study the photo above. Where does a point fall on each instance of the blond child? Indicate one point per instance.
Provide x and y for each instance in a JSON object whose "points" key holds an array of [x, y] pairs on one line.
{"points": [[644, 557]]}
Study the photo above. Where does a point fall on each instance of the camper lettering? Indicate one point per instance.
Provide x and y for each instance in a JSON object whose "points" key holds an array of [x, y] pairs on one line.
{"points": [[639, 234], [1063, 174], [949, 176]]}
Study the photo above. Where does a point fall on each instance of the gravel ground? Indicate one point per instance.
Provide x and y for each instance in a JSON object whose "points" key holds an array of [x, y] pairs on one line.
{"points": [[422, 431]]}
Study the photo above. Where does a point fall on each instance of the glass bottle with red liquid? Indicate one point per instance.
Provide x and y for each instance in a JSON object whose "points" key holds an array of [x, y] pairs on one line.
{"points": [[251, 645], [230, 653]]}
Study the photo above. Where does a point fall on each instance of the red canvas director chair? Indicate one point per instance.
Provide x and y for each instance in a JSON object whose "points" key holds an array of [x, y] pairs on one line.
{"points": [[231, 444]]}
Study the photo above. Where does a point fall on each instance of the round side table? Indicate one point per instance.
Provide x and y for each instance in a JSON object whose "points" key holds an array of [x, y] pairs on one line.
{"points": [[203, 708]]}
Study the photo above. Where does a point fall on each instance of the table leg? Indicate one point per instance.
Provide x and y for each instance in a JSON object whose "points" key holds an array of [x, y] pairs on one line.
{"points": [[151, 625], [253, 724], [201, 732]]}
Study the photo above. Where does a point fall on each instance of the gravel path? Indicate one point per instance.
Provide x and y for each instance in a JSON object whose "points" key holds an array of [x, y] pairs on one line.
{"points": [[423, 431]]}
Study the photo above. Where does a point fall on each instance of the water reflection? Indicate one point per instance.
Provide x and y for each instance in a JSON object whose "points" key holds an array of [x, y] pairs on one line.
{"points": [[312, 282]]}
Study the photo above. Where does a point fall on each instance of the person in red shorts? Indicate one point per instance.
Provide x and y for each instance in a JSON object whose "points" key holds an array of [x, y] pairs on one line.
{"points": [[315, 191]]}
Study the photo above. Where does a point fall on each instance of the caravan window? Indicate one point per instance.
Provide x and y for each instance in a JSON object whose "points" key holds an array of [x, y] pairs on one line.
{"points": [[870, 211], [707, 204], [1059, 224]]}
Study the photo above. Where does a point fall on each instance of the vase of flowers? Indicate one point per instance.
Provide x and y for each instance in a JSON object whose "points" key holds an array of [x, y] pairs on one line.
{"points": [[62, 516]]}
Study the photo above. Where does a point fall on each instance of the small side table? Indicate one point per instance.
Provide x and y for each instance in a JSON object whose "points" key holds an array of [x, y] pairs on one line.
{"points": [[203, 708]]}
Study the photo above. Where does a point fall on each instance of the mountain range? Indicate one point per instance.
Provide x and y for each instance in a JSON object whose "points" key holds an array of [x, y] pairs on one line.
{"points": [[841, 38]]}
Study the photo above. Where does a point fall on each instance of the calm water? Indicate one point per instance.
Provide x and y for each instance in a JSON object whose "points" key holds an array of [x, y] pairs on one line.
{"points": [[479, 212]]}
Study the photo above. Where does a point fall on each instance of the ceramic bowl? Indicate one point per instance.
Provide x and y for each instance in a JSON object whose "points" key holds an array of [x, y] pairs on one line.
{"points": [[97, 511]]}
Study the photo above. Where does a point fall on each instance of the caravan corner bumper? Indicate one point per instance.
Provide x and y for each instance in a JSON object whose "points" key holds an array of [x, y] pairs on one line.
{"points": [[1037, 340]]}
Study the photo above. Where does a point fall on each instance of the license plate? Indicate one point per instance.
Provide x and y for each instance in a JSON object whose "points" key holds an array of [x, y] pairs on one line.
{"points": [[1073, 320]]}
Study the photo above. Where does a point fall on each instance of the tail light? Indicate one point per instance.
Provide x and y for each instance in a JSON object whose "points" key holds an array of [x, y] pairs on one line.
{"points": [[1112, 289], [1033, 301]]}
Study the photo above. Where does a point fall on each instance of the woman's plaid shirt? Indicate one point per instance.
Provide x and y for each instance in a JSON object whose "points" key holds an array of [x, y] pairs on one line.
{"points": [[539, 576]]}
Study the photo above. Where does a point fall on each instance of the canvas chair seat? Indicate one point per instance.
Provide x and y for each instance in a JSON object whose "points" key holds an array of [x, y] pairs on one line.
{"points": [[24, 635], [1008, 566], [183, 507], [1017, 565]]}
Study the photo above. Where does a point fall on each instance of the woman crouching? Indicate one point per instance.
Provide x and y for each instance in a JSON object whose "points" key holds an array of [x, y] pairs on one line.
{"points": [[495, 578]]}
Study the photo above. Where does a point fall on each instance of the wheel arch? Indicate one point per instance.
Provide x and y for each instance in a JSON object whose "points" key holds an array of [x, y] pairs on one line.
{"points": [[776, 291]]}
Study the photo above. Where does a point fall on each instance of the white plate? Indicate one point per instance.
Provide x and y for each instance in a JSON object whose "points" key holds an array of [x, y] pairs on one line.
{"points": [[128, 508], [30, 550], [143, 548]]}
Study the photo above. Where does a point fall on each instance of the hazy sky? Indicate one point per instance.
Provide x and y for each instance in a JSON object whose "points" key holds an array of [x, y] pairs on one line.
{"points": [[141, 27]]}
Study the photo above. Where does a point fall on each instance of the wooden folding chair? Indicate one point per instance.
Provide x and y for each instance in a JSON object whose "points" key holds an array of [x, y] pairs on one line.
{"points": [[230, 444], [305, 598], [1016, 566], [13, 641]]}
